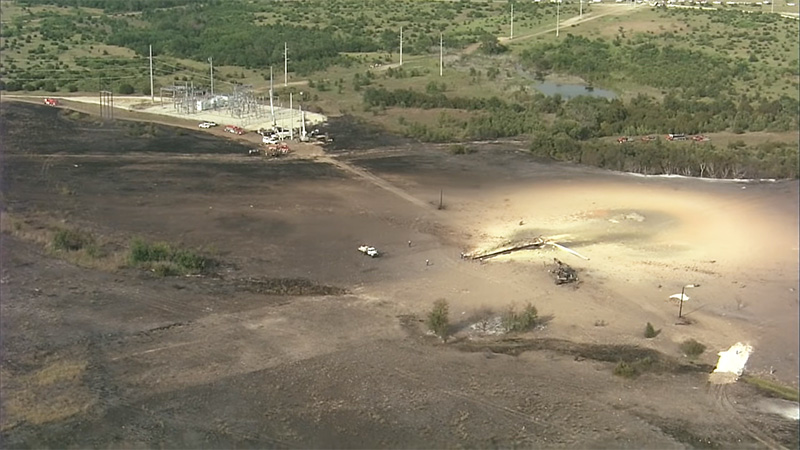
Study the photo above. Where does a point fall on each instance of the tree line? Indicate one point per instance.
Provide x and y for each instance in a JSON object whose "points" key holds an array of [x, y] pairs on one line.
{"points": [[575, 128], [586, 117]]}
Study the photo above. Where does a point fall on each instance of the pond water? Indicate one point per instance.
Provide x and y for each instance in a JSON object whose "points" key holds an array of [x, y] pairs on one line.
{"points": [[568, 91]]}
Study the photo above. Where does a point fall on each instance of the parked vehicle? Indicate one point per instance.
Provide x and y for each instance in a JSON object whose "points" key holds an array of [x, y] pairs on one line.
{"points": [[234, 129], [207, 125], [369, 251], [51, 101], [676, 137]]}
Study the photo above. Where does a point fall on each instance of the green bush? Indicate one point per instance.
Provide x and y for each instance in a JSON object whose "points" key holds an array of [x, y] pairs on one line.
{"points": [[514, 321], [692, 348], [438, 318], [71, 240], [650, 332]]}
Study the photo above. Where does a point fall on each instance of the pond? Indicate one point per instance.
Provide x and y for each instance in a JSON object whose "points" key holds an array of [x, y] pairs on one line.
{"points": [[568, 91]]}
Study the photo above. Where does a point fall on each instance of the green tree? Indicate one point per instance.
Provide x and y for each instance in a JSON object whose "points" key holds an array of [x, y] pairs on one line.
{"points": [[438, 318], [489, 45], [126, 89]]}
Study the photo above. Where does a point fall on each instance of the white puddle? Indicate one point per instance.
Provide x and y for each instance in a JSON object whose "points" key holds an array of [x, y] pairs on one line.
{"points": [[785, 408]]}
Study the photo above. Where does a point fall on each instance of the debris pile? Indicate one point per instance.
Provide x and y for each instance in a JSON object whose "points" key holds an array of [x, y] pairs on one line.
{"points": [[535, 243], [563, 273], [488, 326]]}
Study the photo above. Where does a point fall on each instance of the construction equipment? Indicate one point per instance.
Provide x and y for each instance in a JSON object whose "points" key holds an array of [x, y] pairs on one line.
{"points": [[51, 101]]}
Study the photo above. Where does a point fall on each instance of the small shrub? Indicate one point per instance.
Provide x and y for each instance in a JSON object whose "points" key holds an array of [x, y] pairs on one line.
{"points": [[438, 318], [71, 240], [460, 149], [650, 332], [625, 370], [692, 348], [166, 269], [522, 321]]}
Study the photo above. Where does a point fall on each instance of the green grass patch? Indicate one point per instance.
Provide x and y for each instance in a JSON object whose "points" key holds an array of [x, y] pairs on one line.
{"points": [[772, 388], [166, 260]]}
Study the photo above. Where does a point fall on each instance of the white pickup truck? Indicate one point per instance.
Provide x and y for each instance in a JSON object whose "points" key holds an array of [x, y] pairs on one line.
{"points": [[369, 251]]}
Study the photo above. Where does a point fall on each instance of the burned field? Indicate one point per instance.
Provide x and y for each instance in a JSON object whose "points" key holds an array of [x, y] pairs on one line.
{"points": [[290, 337]]}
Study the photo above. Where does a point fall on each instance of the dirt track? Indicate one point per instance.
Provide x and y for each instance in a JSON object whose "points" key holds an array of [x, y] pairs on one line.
{"points": [[118, 357]]}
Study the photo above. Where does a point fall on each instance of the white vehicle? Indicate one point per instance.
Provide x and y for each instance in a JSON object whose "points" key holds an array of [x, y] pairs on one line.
{"points": [[281, 135], [207, 125], [369, 251], [269, 139]]}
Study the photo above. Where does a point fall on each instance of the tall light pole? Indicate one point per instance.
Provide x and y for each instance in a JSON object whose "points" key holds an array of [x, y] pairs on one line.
{"points": [[581, 13], [512, 21], [683, 298], [441, 53], [401, 46], [291, 118], [285, 64], [558, 15], [211, 62], [152, 98], [271, 95]]}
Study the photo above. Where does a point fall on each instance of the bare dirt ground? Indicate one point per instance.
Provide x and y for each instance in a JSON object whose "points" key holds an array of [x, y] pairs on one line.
{"points": [[97, 355]]}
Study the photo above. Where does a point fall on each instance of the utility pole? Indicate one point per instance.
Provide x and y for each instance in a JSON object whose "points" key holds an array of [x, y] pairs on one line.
{"points": [[291, 118], [581, 13], [152, 96], [285, 65], [512, 21], [401, 46], [558, 15], [302, 123], [211, 62], [441, 53], [271, 94]]}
